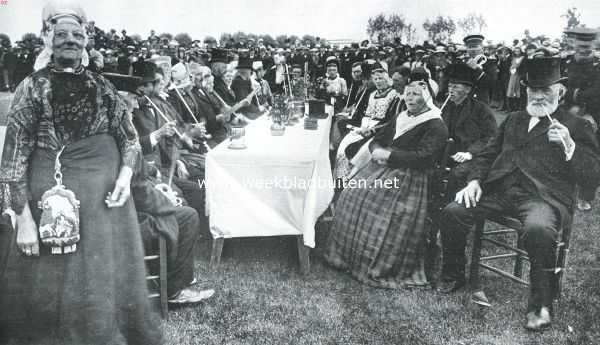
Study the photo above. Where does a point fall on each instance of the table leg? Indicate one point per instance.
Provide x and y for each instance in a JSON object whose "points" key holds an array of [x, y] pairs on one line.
{"points": [[217, 249], [303, 255]]}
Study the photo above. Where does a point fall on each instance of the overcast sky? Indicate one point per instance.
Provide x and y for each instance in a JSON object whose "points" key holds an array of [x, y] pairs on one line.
{"points": [[332, 19]]}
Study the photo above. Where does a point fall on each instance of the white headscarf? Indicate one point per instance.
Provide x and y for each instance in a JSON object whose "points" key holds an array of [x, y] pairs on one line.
{"points": [[45, 56], [405, 123]]}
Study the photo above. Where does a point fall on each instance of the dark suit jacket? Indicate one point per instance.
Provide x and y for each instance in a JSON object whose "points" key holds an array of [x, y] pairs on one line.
{"points": [[242, 88], [221, 89], [208, 110], [470, 124], [485, 84], [146, 120], [539, 160], [180, 107], [361, 107], [418, 148]]}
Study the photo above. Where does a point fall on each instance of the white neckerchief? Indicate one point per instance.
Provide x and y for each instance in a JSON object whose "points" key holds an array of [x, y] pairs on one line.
{"points": [[405, 123]]}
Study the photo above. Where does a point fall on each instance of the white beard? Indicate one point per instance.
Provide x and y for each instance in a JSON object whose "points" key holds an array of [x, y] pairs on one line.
{"points": [[542, 110]]}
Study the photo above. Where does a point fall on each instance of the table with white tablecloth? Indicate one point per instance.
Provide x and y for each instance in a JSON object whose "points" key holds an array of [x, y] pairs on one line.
{"points": [[277, 185]]}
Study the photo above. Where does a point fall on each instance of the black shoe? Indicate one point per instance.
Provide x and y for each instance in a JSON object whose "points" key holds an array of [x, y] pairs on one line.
{"points": [[451, 286]]}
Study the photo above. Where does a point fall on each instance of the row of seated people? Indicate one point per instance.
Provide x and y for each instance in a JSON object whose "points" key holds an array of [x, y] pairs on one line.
{"points": [[527, 168], [177, 122]]}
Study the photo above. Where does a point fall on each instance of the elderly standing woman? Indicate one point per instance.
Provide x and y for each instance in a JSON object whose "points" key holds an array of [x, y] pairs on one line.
{"points": [[74, 271], [379, 227], [382, 106]]}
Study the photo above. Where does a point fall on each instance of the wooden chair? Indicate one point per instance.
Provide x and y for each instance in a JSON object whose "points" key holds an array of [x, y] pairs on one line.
{"points": [[161, 278], [438, 189], [511, 226]]}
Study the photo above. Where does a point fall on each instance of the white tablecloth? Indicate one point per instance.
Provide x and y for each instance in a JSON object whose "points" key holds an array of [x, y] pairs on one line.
{"points": [[278, 185]]}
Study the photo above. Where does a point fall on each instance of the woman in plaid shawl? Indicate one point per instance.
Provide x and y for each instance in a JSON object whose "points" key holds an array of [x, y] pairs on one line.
{"points": [[379, 226]]}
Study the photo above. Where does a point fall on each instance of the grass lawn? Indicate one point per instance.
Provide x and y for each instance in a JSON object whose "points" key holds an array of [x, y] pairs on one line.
{"points": [[262, 299]]}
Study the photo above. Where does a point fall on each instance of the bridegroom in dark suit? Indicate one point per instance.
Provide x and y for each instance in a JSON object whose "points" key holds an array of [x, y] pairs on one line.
{"points": [[529, 171]]}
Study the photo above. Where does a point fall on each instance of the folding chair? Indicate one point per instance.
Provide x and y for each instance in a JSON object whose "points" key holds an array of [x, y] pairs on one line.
{"points": [[161, 278]]}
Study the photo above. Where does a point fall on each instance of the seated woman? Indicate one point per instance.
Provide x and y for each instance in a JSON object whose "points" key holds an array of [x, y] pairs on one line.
{"points": [[377, 232], [382, 105]]}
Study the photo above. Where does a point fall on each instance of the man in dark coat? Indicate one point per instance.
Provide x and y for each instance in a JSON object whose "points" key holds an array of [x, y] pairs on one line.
{"points": [[159, 216], [218, 65], [242, 88], [529, 171], [208, 106], [356, 103], [470, 123], [158, 138], [583, 93], [484, 72]]}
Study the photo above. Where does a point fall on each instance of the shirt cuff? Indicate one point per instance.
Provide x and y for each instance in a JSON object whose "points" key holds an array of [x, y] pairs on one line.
{"points": [[153, 139], [569, 150]]}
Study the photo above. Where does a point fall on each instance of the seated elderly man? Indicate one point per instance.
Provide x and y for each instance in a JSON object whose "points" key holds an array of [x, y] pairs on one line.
{"points": [[243, 89], [529, 171], [208, 105], [160, 214], [470, 123]]}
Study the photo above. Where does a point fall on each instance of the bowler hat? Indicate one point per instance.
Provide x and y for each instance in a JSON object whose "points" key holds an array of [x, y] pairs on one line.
{"points": [[461, 73], [542, 71]]}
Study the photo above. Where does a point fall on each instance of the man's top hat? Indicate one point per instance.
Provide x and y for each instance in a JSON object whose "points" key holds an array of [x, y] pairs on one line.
{"points": [[461, 73], [473, 39], [124, 82], [244, 63], [219, 55], [147, 73], [542, 70]]}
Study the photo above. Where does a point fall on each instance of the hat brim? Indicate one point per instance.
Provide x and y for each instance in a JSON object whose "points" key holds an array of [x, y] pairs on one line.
{"points": [[546, 84], [461, 81]]}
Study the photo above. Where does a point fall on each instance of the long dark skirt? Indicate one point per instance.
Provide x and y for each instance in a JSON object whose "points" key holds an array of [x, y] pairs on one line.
{"points": [[97, 295], [377, 232]]}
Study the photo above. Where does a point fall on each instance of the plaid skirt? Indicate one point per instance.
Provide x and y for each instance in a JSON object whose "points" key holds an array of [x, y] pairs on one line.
{"points": [[377, 232]]}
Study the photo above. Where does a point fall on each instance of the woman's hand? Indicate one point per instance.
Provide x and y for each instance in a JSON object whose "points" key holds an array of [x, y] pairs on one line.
{"points": [[381, 156], [364, 132], [122, 190], [27, 233]]}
